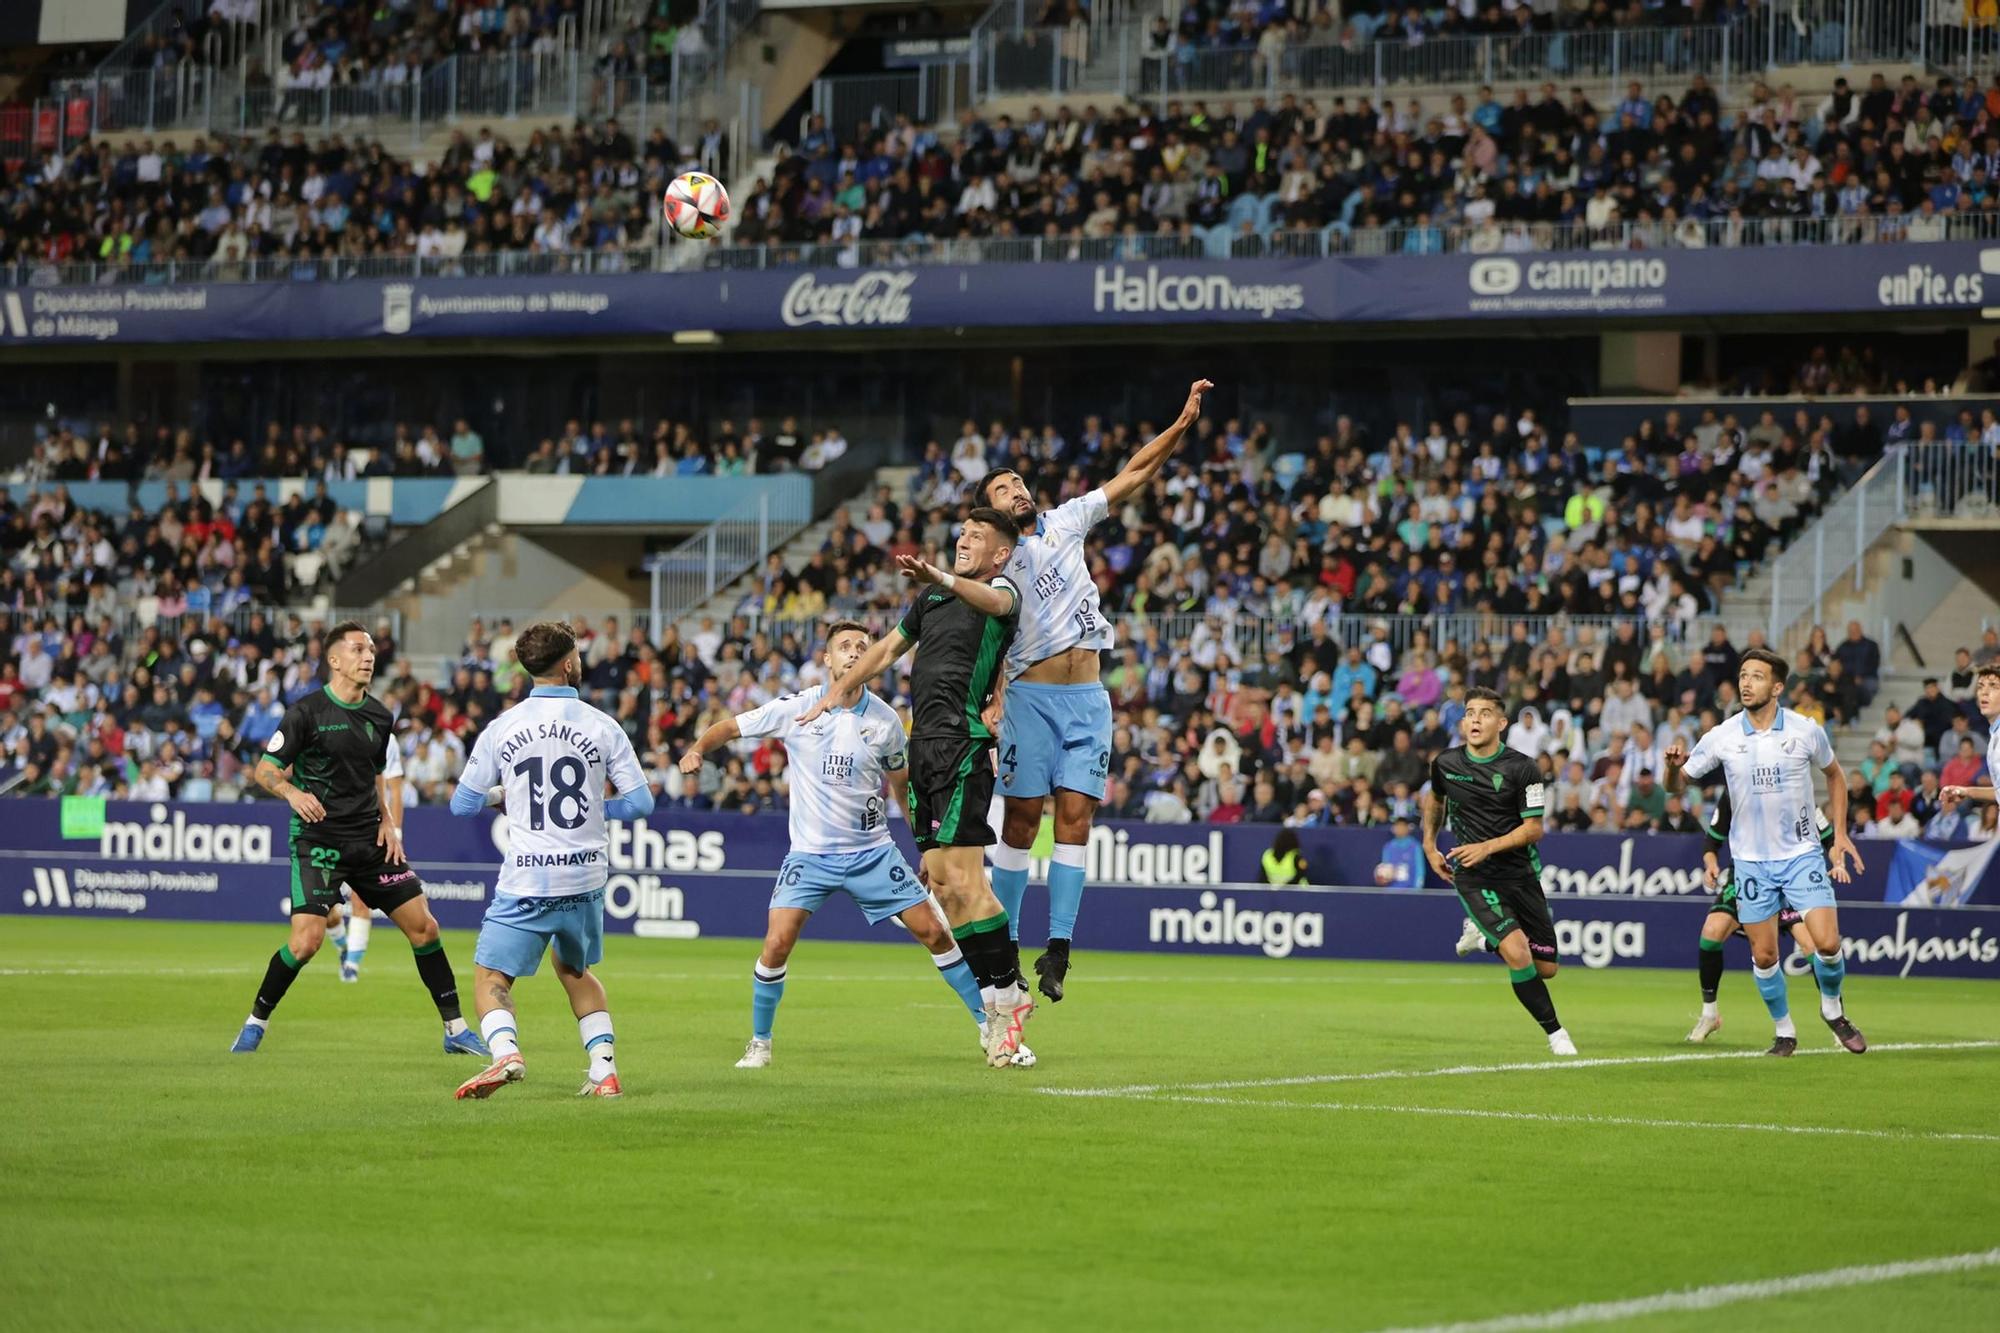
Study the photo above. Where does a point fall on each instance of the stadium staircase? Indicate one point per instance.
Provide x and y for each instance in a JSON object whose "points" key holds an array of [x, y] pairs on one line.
{"points": [[1906, 552]]}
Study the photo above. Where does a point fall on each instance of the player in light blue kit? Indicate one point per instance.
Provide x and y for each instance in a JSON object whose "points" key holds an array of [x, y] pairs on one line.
{"points": [[1055, 727], [549, 757], [1767, 754], [839, 831]]}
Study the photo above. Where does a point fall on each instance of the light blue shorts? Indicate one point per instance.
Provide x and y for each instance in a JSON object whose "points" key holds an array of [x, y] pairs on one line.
{"points": [[1764, 888], [517, 930], [1055, 736], [879, 880]]}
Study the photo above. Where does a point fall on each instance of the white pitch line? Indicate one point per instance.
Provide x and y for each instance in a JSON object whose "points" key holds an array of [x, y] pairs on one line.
{"points": [[1709, 1298], [1478, 1113], [1522, 1066], [918, 974]]}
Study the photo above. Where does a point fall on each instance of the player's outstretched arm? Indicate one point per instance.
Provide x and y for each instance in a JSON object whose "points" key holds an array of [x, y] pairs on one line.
{"points": [[995, 599], [708, 742], [843, 692], [1145, 464], [1954, 794]]}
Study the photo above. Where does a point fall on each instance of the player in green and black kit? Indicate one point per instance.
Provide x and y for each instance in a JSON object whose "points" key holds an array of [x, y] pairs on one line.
{"points": [[961, 624], [334, 761], [1491, 799]]}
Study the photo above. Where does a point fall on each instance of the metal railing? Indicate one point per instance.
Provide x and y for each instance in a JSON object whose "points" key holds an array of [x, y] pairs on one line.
{"points": [[1247, 636], [709, 561], [1912, 480], [856, 103], [1115, 55], [1220, 242]]}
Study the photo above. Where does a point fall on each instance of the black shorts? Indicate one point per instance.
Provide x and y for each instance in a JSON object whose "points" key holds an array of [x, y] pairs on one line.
{"points": [[320, 867], [951, 789], [1502, 907], [1725, 903]]}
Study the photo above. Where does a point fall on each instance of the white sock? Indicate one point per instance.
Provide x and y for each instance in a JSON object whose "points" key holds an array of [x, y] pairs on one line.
{"points": [[1830, 1007], [1559, 1032], [989, 996], [256, 1022], [497, 1027], [1786, 1028], [595, 1032], [1711, 1009], [453, 1026], [357, 934]]}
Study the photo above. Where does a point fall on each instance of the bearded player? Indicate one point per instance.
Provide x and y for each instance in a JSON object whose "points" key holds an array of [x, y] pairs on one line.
{"points": [[1767, 754], [1055, 726]]}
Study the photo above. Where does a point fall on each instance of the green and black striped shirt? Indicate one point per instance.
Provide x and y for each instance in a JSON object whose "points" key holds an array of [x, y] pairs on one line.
{"points": [[960, 652]]}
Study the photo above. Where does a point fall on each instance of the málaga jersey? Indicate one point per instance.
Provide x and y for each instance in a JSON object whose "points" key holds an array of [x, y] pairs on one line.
{"points": [[553, 752], [836, 768], [1770, 777], [1059, 606]]}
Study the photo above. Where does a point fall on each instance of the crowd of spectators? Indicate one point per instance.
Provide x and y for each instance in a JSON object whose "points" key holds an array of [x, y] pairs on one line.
{"points": [[285, 207], [74, 567], [625, 447], [1297, 627], [1303, 175], [379, 45]]}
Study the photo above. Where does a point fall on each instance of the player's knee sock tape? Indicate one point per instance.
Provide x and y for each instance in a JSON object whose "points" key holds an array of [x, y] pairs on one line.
{"points": [[497, 1028], [277, 980], [767, 987], [594, 1030], [1711, 969], [1065, 889], [1771, 985], [1010, 883], [1533, 993], [957, 974], [435, 969]]}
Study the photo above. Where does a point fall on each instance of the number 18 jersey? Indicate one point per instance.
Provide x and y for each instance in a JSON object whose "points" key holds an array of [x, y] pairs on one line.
{"points": [[553, 753], [1059, 604]]}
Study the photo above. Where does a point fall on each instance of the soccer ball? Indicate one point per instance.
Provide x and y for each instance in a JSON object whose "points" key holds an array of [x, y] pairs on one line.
{"points": [[696, 206]]}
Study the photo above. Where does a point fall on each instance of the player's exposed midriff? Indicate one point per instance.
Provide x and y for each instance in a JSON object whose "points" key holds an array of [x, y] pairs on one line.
{"points": [[1071, 666]]}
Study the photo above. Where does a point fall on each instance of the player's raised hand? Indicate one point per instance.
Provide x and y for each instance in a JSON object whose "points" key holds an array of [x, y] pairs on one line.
{"points": [[1950, 797], [919, 570], [1674, 756], [305, 805], [1195, 391], [691, 762], [1843, 851]]}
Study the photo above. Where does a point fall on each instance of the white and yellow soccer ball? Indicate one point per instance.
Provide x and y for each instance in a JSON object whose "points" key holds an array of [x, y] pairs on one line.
{"points": [[696, 205]]}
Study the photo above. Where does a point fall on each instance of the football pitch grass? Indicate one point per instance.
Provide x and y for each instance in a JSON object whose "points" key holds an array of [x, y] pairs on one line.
{"points": [[1265, 1144]]}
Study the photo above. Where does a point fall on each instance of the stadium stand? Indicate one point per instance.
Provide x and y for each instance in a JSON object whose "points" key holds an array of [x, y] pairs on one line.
{"points": [[1284, 616], [1290, 175]]}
